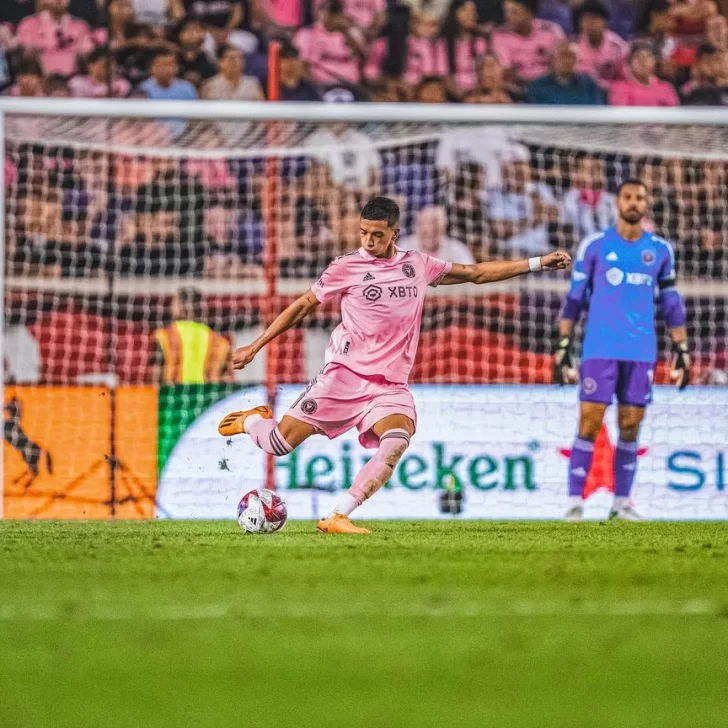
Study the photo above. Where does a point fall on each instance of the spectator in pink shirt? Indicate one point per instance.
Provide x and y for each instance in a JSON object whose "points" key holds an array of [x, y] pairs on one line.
{"points": [[29, 82], [526, 43], [600, 52], [94, 84], [285, 14], [368, 15], [465, 45], [642, 88], [56, 36], [426, 53], [333, 47]]}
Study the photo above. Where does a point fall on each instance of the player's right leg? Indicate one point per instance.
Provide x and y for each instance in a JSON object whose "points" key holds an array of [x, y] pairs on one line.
{"points": [[276, 438], [598, 381]]}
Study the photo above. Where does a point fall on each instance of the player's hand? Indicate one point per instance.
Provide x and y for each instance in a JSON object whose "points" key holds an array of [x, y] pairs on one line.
{"points": [[680, 369], [243, 356], [558, 260], [564, 367]]}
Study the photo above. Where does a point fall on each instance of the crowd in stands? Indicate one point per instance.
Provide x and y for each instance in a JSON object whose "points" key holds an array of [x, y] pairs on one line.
{"points": [[75, 213], [618, 52]]}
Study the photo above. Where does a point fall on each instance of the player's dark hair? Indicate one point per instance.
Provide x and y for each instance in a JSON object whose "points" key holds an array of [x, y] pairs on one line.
{"points": [[633, 181], [381, 208]]}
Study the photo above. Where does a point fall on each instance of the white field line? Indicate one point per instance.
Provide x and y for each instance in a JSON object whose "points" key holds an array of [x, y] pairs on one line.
{"points": [[222, 610]]}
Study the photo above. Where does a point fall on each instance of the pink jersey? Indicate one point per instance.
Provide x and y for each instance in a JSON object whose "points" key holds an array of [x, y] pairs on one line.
{"points": [[467, 53], [85, 87], [283, 12], [360, 11], [604, 64], [528, 55], [331, 59], [424, 58], [634, 93], [381, 309], [57, 43]]}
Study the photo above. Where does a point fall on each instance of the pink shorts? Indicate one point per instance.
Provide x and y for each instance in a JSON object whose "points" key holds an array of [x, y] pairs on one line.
{"points": [[339, 399]]}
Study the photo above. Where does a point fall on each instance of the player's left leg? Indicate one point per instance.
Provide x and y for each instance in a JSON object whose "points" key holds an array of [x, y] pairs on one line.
{"points": [[629, 419], [394, 432], [634, 393]]}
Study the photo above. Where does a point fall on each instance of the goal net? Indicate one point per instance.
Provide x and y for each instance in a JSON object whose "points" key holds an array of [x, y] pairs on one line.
{"points": [[124, 236]]}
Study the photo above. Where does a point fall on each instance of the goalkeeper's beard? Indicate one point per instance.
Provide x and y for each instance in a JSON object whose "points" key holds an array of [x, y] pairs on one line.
{"points": [[631, 217]]}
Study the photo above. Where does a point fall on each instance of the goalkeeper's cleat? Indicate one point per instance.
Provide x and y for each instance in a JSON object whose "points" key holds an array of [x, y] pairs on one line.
{"points": [[339, 523], [625, 513], [234, 423], [575, 513]]}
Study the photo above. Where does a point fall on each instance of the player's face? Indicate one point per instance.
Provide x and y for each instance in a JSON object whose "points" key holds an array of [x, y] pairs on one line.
{"points": [[376, 236], [632, 203]]}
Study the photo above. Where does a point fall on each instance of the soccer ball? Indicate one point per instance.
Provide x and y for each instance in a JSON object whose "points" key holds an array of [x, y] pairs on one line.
{"points": [[262, 511]]}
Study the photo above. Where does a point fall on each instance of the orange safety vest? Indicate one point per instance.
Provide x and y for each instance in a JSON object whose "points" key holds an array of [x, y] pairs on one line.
{"points": [[193, 353]]}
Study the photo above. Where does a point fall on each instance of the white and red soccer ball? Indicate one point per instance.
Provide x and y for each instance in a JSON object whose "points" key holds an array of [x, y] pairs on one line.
{"points": [[262, 511]]}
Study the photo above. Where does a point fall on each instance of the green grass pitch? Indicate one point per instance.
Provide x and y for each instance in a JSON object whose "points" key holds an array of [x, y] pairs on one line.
{"points": [[175, 624]]}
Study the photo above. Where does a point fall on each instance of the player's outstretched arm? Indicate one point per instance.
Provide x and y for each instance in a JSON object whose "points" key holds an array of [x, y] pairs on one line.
{"points": [[501, 270], [296, 312]]}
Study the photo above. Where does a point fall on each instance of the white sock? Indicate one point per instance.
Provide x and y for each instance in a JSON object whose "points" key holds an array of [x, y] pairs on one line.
{"points": [[576, 500], [346, 504], [249, 421], [620, 502]]}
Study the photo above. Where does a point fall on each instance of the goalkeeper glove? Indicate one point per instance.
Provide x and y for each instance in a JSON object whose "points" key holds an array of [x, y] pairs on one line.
{"points": [[564, 367], [680, 369]]}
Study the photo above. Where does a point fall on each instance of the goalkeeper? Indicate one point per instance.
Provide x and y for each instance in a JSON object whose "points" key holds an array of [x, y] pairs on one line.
{"points": [[618, 272]]}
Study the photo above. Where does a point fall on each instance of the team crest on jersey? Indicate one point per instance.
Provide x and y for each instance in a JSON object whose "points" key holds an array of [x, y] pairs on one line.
{"points": [[589, 385], [648, 257], [309, 406], [615, 276], [372, 293], [408, 270]]}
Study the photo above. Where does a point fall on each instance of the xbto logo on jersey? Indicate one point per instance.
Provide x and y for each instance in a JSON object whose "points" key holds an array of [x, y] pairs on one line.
{"points": [[402, 291], [372, 293], [408, 270]]}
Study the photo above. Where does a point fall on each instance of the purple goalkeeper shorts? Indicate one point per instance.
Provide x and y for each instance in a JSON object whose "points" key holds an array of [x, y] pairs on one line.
{"points": [[631, 381]]}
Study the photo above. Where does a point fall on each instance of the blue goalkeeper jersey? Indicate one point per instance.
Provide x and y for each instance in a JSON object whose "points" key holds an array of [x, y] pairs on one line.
{"points": [[618, 280]]}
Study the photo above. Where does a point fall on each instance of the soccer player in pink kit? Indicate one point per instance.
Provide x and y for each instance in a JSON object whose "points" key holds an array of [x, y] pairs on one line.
{"points": [[370, 355]]}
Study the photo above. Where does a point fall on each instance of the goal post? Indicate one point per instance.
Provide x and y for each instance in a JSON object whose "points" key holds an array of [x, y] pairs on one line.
{"points": [[112, 208]]}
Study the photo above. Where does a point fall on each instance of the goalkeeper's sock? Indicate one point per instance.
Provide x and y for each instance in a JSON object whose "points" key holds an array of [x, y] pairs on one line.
{"points": [[266, 435], [376, 472], [582, 452], [625, 467]]}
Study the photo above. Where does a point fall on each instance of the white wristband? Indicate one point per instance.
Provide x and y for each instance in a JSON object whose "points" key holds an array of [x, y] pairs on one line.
{"points": [[534, 264]]}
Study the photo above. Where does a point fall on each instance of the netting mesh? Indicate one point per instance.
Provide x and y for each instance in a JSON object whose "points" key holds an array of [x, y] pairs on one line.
{"points": [[108, 220]]}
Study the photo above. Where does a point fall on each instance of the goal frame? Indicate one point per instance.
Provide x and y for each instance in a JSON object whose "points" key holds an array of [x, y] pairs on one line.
{"points": [[325, 112]]}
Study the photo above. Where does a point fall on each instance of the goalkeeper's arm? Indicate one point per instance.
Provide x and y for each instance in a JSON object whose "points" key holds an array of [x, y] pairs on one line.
{"points": [[501, 270], [674, 313], [287, 319], [564, 364]]}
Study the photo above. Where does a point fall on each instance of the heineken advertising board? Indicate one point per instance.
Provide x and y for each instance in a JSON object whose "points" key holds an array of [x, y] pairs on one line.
{"points": [[503, 449]]}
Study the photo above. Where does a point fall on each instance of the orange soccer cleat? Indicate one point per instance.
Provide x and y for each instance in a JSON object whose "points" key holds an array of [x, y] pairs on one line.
{"points": [[339, 523], [234, 423]]}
